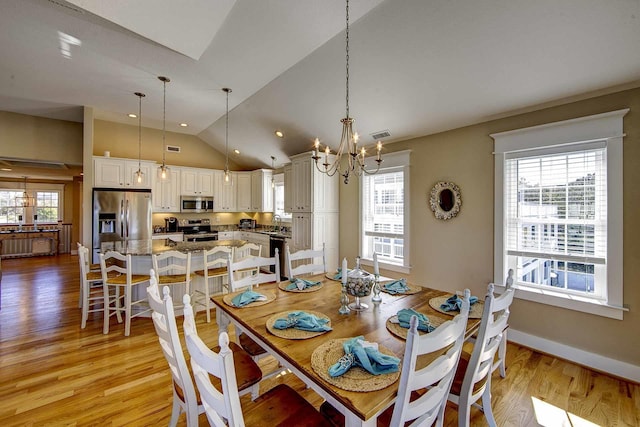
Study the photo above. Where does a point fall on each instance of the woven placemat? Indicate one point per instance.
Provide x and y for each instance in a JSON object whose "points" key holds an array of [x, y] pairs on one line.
{"points": [[474, 313], [356, 378], [283, 286], [331, 276], [271, 296], [412, 289], [401, 332], [293, 333]]}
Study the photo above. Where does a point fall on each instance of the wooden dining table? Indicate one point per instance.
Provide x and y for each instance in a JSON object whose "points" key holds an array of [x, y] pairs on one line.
{"points": [[359, 408]]}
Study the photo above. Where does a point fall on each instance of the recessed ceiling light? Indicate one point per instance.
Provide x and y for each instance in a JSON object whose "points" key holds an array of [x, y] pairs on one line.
{"points": [[184, 125], [5, 169], [133, 116], [236, 151], [279, 134]]}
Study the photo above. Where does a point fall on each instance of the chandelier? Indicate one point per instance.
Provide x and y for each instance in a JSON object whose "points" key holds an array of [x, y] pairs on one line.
{"points": [[227, 173], [26, 200], [139, 173], [348, 141], [163, 170]]}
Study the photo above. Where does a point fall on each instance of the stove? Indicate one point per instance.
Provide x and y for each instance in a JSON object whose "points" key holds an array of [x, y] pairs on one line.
{"points": [[197, 230]]}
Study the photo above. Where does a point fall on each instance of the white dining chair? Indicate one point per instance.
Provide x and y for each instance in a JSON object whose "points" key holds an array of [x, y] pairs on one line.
{"points": [[215, 267], [280, 406], [306, 261], [472, 380], [173, 269], [422, 391]]}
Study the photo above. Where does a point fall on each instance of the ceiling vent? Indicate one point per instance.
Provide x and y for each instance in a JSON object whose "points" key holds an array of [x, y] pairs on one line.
{"points": [[381, 134], [27, 163], [173, 149]]}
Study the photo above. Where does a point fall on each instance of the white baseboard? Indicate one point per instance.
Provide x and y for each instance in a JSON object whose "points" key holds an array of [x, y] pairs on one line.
{"points": [[581, 357]]}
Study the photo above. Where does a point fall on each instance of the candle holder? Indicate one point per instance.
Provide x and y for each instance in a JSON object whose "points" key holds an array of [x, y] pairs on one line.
{"points": [[344, 302], [376, 290]]}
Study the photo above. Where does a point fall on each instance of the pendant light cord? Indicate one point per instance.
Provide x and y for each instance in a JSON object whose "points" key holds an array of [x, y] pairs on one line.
{"points": [[347, 55], [226, 132]]}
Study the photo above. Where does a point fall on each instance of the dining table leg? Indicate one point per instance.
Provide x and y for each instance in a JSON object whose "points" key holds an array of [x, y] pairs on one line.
{"points": [[223, 320], [352, 420]]}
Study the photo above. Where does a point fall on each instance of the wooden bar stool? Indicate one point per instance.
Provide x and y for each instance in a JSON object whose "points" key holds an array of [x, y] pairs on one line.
{"points": [[215, 266]]}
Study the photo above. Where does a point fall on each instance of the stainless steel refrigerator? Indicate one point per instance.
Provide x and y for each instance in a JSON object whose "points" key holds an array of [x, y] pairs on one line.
{"points": [[120, 215]]}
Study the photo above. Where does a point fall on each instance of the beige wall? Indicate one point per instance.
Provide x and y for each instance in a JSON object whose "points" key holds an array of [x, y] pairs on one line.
{"points": [[37, 138], [122, 141], [456, 254]]}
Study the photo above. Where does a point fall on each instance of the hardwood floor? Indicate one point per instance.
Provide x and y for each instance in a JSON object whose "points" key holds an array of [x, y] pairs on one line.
{"points": [[54, 373]]}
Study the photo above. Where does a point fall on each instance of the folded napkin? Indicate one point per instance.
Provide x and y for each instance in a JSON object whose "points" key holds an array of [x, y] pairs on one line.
{"points": [[396, 287], [404, 319], [338, 275], [247, 297], [359, 352], [303, 321], [301, 284], [454, 303]]}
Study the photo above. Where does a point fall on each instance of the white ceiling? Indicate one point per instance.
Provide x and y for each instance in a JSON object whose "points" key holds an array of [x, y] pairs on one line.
{"points": [[417, 67]]}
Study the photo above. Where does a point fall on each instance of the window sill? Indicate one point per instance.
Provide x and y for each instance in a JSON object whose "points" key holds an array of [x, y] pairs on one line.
{"points": [[570, 302], [385, 266]]}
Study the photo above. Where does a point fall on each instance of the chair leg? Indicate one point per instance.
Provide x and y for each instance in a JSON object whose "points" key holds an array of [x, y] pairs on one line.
{"points": [[107, 308], [175, 411], [464, 412], [85, 305], [502, 354], [206, 300], [127, 311], [486, 406]]}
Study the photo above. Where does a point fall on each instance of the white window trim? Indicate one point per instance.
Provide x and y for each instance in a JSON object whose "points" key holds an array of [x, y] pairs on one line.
{"points": [[391, 160], [38, 186], [605, 126]]}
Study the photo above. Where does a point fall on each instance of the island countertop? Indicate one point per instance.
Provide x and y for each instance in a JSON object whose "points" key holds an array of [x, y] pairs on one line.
{"points": [[149, 246]]}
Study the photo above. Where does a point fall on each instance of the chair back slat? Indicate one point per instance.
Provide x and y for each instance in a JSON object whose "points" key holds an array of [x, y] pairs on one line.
{"points": [[249, 271], [316, 262]]}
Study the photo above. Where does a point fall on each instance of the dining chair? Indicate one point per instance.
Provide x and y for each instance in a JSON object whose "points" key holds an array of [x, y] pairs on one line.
{"points": [[501, 357], [248, 250], [301, 268], [91, 289], [280, 406], [422, 391], [173, 269], [215, 267], [91, 268], [472, 380], [123, 284]]}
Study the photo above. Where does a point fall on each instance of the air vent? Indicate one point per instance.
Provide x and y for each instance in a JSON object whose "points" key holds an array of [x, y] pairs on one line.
{"points": [[27, 163], [173, 149], [381, 134]]}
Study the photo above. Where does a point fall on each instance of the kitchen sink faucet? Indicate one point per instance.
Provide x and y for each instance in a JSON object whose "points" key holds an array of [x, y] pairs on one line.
{"points": [[277, 220]]}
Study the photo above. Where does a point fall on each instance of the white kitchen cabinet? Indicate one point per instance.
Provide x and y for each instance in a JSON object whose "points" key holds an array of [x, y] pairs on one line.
{"points": [[176, 237], [224, 195], [261, 190], [120, 173], [301, 231], [311, 190], [242, 182], [196, 182], [166, 194], [229, 235], [288, 190]]}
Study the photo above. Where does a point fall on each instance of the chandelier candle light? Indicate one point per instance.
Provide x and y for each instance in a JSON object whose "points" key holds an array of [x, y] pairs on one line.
{"points": [[348, 141], [139, 173], [163, 170]]}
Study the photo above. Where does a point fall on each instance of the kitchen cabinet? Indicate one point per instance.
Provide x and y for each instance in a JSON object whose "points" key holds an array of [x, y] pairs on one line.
{"points": [[288, 190], [120, 173], [261, 190], [224, 196], [229, 235], [196, 182], [301, 231], [166, 194], [242, 182], [312, 230], [176, 237], [311, 190]]}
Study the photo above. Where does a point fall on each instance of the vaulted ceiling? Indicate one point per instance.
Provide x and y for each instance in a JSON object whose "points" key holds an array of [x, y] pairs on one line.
{"points": [[416, 66]]}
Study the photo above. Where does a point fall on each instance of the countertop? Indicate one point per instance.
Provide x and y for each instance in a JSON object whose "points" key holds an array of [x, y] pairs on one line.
{"points": [[149, 246], [45, 230]]}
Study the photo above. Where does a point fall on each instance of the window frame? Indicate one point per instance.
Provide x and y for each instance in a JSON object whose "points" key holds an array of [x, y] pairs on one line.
{"points": [[606, 127], [33, 189], [278, 180], [400, 161]]}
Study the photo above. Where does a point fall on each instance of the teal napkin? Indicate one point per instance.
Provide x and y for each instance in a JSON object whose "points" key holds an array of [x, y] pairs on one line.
{"points": [[454, 303], [303, 321], [396, 287], [245, 298], [338, 276], [404, 318], [359, 352], [300, 284]]}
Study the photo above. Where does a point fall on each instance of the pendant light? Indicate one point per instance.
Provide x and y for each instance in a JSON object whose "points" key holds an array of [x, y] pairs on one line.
{"points": [[273, 180], [348, 141], [139, 173], [163, 171], [227, 173], [26, 200]]}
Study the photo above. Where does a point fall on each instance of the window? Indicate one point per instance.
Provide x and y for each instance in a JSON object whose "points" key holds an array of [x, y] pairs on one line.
{"points": [[559, 212], [47, 206], [10, 212], [278, 196], [384, 202], [47, 209]]}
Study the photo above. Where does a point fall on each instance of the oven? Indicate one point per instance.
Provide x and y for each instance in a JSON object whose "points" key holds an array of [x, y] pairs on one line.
{"points": [[197, 230], [278, 242], [196, 204], [201, 237]]}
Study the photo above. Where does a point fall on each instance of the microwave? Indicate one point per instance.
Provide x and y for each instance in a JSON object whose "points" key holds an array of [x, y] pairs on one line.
{"points": [[196, 204]]}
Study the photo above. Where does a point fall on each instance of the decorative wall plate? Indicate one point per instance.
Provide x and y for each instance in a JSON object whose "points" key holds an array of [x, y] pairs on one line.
{"points": [[445, 200]]}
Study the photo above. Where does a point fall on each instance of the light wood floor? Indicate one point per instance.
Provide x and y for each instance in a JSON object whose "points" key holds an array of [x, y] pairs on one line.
{"points": [[54, 373]]}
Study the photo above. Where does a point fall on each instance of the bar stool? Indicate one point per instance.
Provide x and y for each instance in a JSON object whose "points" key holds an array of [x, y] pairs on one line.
{"points": [[215, 266], [91, 289], [173, 268], [91, 267]]}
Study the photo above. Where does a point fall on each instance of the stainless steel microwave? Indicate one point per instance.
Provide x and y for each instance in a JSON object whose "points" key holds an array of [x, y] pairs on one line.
{"points": [[196, 204]]}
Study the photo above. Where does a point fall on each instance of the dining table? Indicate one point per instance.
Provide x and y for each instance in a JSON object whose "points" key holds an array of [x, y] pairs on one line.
{"points": [[360, 407]]}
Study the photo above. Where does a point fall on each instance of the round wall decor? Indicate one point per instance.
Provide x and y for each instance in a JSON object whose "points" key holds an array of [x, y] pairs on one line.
{"points": [[445, 200]]}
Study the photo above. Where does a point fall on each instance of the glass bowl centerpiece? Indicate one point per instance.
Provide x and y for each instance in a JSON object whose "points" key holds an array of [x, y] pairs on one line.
{"points": [[359, 284]]}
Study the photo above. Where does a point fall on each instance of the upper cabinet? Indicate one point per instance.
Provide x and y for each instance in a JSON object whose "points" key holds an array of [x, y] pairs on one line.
{"points": [[196, 182], [224, 195], [261, 190], [121, 173], [166, 194], [311, 190], [242, 182], [288, 190]]}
